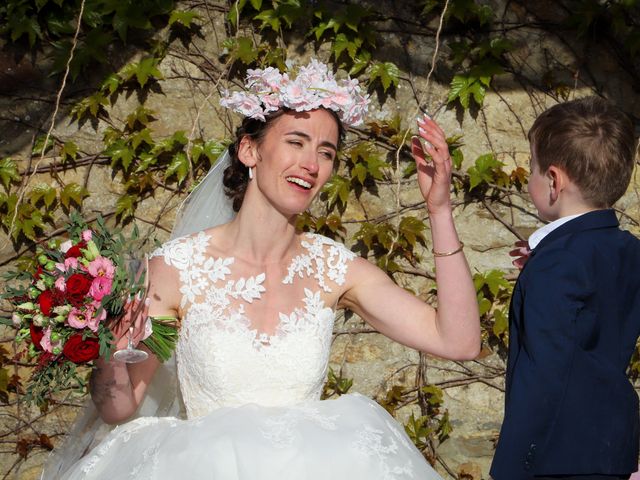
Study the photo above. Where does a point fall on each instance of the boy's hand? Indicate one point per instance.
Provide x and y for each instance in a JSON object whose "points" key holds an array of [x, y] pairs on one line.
{"points": [[522, 253]]}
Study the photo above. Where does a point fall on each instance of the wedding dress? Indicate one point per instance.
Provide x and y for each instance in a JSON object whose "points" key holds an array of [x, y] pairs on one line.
{"points": [[252, 398]]}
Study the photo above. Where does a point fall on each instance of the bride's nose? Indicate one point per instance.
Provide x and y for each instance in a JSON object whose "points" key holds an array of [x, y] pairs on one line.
{"points": [[309, 162]]}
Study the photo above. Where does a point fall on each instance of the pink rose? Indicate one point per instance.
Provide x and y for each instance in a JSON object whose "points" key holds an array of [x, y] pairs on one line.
{"points": [[101, 267], [86, 235], [100, 287]]}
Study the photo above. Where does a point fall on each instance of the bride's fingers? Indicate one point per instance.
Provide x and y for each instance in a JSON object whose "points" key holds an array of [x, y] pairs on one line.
{"points": [[418, 151]]}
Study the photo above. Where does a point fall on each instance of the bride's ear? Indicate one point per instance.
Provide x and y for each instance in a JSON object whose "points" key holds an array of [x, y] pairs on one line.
{"points": [[247, 152]]}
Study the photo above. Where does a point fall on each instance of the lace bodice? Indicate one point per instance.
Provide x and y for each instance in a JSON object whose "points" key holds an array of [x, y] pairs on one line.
{"points": [[222, 359]]}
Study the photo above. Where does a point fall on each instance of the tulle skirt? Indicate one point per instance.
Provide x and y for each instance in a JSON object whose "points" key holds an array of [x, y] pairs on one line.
{"points": [[351, 437]]}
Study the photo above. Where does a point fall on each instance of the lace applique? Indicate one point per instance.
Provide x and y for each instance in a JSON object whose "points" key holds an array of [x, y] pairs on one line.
{"points": [[334, 258], [371, 442], [222, 359], [186, 254], [150, 456], [280, 430]]}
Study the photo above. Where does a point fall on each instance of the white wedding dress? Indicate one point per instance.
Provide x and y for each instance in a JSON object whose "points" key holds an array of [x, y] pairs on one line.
{"points": [[252, 400]]}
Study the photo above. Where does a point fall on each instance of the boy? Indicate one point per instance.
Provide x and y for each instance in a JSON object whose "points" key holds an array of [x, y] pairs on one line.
{"points": [[570, 411]]}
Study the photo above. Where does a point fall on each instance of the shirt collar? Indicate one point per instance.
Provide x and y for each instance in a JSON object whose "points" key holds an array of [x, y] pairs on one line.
{"points": [[537, 236]]}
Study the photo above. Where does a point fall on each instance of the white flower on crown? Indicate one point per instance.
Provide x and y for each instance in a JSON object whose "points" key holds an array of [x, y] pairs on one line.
{"points": [[268, 89]]}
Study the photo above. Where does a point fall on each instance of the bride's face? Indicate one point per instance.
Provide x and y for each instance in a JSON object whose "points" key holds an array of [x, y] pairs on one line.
{"points": [[294, 159]]}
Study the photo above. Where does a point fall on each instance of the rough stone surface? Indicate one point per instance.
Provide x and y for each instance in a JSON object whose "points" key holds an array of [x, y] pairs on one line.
{"points": [[375, 363]]}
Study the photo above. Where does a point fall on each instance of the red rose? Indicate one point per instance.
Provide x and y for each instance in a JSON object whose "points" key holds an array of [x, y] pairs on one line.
{"points": [[78, 286], [46, 301], [80, 351], [36, 336], [75, 250]]}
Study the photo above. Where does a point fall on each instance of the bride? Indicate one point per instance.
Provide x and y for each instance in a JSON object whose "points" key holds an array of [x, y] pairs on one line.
{"points": [[256, 301]]}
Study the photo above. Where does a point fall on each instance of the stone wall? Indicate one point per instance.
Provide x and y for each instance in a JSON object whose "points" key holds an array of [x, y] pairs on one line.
{"points": [[188, 99]]}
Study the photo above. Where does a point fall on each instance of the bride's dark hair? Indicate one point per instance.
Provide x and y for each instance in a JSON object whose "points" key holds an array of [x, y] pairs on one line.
{"points": [[236, 176]]}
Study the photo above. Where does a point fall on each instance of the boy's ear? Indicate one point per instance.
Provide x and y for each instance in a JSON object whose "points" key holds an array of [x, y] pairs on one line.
{"points": [[558, 179], [247, 153]]}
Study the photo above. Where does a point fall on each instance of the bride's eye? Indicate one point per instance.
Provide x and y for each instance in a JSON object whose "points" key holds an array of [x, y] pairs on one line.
{"points": [[297, 143]]}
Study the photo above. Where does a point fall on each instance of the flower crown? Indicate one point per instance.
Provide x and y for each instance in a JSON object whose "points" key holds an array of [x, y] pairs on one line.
{"points": [[268, 90]]}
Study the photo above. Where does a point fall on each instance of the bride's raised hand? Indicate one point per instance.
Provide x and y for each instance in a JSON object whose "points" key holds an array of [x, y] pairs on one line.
{"points": [[433, 163]]}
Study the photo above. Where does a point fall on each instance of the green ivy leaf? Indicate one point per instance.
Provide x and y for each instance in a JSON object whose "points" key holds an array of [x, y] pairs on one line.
{"points": [[387, 73], [125, 207], [411, 228], [269, 19], [361, 62], [94, 104], [484, 171], [141, 115], [45, 192], [69, 151], [138, 138], [241, 48], [500, 323], [183, 17], [73, 193], [179, 167], [484, 305], [39, 146], [463, 87], [8, 172], [142, 71], [342, 43], [24, 24], [495, 281], [120, 152], [111, 84], [337, 190]]}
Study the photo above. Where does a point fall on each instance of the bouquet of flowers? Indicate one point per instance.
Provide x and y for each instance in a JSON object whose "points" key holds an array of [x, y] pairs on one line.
{"points": [[61, 304]]}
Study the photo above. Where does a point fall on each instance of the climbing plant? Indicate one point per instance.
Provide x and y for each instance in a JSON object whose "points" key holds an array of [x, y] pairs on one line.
{"points": [[127, 53]]}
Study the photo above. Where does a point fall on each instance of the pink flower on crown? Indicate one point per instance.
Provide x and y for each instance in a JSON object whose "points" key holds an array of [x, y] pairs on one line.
{"points": [[267, 80], [298, 98], [272, 102], [267, 90], [244, 103], [337, 100], [101, 267]]}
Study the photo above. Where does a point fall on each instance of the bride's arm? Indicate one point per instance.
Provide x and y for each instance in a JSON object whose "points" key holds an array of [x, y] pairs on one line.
{"points": [[453, 331], [117, 388]]}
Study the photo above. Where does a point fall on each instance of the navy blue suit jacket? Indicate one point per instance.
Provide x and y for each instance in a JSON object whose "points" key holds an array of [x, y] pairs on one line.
{"points": [[573, 324]]}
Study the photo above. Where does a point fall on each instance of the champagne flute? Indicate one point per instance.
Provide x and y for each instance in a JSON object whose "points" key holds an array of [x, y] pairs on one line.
{"points": [[130, 354]]}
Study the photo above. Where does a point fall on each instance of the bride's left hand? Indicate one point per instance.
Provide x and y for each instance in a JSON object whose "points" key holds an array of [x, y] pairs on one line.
{"points": [[434, 177]]}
